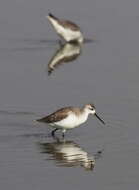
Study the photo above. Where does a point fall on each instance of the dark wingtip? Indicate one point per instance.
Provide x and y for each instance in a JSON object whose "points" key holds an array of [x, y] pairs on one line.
{"points": [[38, 120], [51, 15]]}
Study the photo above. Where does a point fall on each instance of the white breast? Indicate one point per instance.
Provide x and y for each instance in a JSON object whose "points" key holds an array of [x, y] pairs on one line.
{"points": [[71, 121], [67, 34]]}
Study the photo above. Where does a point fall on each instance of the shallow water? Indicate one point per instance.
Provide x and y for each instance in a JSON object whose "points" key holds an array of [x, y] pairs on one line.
{"points": [[104, 71]]}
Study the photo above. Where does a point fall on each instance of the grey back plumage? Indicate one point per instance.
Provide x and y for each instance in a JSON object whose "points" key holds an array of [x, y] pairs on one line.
{"points": [[60, 115], [65, 23]]}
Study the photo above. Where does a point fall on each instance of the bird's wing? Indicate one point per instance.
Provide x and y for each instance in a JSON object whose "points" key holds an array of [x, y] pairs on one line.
{"points": [[69, 24], [65, 23], [56, 116]]}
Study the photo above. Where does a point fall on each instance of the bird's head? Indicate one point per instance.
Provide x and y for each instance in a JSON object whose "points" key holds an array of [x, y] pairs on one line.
{"points": [[90, 108]]}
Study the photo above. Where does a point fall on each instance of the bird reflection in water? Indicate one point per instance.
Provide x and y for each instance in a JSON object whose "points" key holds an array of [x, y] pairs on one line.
{"points": [[65, 54], [69, 154]]}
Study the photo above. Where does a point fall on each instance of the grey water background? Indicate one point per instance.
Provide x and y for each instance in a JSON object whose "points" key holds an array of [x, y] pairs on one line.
{"points": [[106, 73]]}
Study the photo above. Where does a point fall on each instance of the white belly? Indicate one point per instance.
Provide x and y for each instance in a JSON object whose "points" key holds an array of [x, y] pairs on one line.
{"points": [[70, 122]]}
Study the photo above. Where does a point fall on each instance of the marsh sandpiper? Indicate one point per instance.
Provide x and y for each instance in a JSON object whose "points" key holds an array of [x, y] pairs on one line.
{"points": [[66, 29], [69, 118]]}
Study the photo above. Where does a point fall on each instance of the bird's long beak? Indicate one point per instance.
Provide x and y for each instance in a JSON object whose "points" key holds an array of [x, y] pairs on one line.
{"points": [[99, 119]]}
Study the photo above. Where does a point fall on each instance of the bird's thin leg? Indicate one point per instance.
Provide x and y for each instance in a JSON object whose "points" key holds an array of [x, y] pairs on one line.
{"points": [[63, 133], [53, 132]]}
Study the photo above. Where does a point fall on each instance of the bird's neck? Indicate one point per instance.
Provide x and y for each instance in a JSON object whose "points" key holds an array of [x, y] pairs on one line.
{"points": [[85, 112]]}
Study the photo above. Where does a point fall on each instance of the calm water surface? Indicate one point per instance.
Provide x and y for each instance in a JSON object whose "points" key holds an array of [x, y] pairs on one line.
{"points": [[34, 82]]}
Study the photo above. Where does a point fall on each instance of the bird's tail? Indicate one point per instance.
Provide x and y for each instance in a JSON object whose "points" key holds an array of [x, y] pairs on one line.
{"points": [[39, 120], [36, 120], [52, 16]]}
